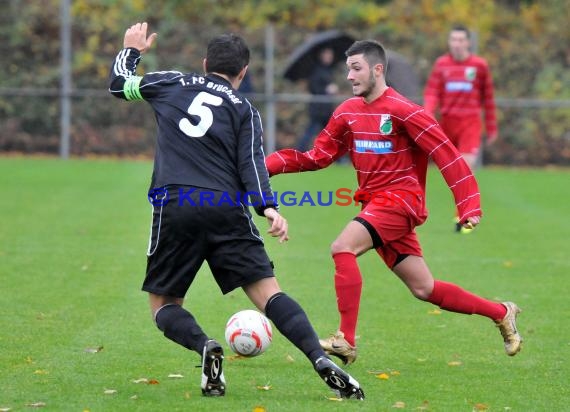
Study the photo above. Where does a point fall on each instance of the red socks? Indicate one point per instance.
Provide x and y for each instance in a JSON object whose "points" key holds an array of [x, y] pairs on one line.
{"points": [[348, 286], [454, 299]]}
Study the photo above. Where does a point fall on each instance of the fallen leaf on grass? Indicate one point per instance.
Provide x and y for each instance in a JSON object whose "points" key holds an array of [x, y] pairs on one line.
{"points": [[5, 409], [334, 399], [434, 312], [175, 376], [29, 360], [424, 406], [147, 381], [384, 375], [186, 395], [41, 372], [110, 391], [480, 407], [259, 409], [454, 363], [290, 358], [399, 405], [266, 387], [234, 357], [134, 397], [36, 404], [94, 350]]}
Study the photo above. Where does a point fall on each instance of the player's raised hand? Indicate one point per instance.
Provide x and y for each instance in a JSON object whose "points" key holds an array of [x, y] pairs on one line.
{"points": [[278, 224], [135, 37]]}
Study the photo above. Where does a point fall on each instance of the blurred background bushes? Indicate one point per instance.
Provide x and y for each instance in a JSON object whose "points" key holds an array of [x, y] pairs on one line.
{"points": [[525, 43]]}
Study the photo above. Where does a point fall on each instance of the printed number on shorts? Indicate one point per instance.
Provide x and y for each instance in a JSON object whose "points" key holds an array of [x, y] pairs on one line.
{"points": [[198, 108]]}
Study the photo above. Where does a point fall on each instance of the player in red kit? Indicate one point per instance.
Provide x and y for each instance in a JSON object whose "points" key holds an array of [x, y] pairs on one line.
{"points": [[389, 139], [461, 85]]}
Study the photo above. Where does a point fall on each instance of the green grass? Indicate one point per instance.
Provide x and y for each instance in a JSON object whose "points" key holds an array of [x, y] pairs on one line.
{"points": [[73, 238]]}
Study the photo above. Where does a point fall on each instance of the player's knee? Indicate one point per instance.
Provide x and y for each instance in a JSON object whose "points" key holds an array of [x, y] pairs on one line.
{"points": [[421, 292], [339, 246], [163, 311]]}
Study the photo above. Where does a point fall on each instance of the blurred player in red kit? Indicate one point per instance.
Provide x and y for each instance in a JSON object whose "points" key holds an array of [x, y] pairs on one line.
{"points": [[461, 86]]}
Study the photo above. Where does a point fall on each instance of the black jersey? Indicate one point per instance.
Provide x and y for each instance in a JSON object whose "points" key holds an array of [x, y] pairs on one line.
{"points": [[209, 135]]}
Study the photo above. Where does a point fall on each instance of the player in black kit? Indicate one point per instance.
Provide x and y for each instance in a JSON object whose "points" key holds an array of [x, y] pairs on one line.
{"points": [[209, 166]]}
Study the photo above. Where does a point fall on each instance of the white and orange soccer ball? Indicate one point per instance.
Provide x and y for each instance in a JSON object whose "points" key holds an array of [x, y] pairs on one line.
{"points": [[248, 333]]}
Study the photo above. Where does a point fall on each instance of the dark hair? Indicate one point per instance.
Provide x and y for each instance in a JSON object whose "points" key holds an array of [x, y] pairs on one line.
{"points": [[373, 52], [461, 27], [227, 54]]}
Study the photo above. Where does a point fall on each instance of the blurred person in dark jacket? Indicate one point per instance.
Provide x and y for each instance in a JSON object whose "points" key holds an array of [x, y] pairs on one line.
{"points": [[320, 84]]}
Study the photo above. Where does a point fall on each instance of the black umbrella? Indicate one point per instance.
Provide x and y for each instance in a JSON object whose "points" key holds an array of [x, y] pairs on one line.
{"points": [[305, 57], [401, 75]]}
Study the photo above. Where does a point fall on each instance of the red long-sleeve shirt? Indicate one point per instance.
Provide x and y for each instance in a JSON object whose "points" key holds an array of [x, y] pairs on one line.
{"points": [[389, 141], [461, 89]]}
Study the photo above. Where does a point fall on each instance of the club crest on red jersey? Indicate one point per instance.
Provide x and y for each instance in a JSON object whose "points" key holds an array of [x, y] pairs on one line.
{"points": [[385, 124], [470, 73]]}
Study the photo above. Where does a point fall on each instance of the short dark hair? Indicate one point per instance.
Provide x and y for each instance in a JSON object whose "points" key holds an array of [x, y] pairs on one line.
{"points": [[461, 27], [372, 50], [227, 54]]}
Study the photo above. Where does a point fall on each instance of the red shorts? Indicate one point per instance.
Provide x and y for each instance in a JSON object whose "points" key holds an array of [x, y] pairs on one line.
{"points": [[391, 225], [464, 132]]}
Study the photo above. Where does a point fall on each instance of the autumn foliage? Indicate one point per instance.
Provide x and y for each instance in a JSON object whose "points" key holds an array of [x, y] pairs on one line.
{"points": [[525, 42]]}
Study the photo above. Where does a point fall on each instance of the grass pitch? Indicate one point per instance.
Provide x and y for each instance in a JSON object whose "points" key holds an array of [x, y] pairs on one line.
{"points": [[77, 333]]}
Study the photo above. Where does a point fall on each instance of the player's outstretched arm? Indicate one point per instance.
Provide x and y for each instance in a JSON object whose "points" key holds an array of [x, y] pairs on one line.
{"points": [[278, 224], [136, 37]]}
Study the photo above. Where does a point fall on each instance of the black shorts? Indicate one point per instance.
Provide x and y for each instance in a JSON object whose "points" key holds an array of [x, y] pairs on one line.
{"points": [[186, 231]]}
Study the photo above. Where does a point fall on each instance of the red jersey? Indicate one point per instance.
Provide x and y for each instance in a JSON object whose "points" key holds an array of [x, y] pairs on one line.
{"points": [[389, 142], [462, 89]]}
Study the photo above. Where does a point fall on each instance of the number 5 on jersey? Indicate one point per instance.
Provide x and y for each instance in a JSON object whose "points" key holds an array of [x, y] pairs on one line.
{"points": [[198, 108]]}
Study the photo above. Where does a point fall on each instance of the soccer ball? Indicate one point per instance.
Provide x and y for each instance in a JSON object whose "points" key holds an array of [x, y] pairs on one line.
{"points": [[248, 333]]}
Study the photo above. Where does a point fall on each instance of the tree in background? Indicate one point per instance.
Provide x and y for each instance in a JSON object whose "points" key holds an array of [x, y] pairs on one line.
{"points": [[525, 42]]}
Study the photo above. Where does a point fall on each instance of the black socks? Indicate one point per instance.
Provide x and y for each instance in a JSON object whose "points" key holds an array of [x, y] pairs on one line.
{"points": [[180, 326], [291, 320]]}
